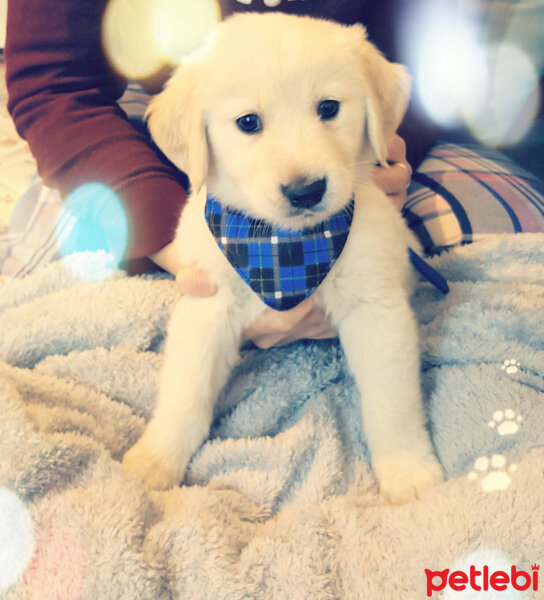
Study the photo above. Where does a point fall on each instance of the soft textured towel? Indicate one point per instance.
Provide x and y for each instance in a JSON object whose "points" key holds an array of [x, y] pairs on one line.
{"points": [[280, 502]]}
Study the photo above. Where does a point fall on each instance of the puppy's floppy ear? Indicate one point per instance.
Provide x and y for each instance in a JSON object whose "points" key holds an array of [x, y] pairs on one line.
{"points": [[388, 93], [176, 124]]}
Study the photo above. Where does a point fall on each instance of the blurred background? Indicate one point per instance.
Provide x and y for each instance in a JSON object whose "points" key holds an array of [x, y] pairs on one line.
{"points": [[477, 68]]}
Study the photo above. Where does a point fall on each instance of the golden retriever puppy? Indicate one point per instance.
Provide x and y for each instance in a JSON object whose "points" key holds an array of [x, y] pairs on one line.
{"points": [[280, 120]]}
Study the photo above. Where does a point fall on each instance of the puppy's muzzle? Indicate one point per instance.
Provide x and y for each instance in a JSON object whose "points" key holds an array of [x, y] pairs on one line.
{"points": [[304, 194]]}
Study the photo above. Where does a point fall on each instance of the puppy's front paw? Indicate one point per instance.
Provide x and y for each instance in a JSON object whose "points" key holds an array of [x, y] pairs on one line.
{"points": [[156, 470], [404, 477]]}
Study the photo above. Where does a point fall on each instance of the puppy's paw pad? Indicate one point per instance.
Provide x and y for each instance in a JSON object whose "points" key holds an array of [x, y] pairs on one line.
{"points": [[492, 473], [506, 422], [152, 470], [403, 478]]}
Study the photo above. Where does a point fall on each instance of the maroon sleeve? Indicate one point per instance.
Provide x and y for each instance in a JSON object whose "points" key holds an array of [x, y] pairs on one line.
{"points": [[62, 95]]}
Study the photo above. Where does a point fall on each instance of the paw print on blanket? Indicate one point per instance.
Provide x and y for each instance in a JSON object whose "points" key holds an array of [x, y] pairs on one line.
{"points": [[510, 366], [492, 473], [506, 422]]}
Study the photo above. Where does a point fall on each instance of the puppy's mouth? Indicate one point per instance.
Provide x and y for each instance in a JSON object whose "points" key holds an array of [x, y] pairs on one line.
{"points": [[306, 200], [308, 213], [297, 219], [303, 218]]}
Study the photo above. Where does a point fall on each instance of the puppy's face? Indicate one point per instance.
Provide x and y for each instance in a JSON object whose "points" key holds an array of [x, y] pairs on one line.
{"points": [[281, 115]]}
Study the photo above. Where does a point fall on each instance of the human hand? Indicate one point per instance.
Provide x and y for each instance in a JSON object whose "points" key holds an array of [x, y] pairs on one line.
{"points": [[395, 178], [272, 328], [190, 279], [193, 281], [307, 320]]}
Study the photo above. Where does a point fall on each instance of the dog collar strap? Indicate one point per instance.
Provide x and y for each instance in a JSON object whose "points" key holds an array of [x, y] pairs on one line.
{"points": [[430, 274], [282, 266]]}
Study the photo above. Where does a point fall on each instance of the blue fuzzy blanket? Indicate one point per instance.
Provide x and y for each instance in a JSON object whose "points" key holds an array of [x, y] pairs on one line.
{"points": [[280, 503]]}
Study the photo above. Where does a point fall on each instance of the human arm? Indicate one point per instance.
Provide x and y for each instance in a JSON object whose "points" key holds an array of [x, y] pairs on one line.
{"points": [[63, 99]]}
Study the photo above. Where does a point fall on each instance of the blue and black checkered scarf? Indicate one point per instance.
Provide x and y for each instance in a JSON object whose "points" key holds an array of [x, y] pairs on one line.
{"points": [[284, 266]]}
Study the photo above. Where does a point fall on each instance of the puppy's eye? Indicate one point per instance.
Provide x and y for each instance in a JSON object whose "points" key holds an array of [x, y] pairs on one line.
{"points": [[328, 109], [250, 123]]}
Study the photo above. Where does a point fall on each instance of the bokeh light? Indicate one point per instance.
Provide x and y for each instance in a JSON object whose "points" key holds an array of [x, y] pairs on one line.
{"points": [[513, 97], [452, 73], [16, 538], [495, 560], [99, 225], [463, 80], [141, 36], [182, 25]]}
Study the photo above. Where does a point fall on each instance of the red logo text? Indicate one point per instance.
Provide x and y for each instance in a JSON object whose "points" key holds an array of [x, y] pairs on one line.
{"points": [[482, 580]]}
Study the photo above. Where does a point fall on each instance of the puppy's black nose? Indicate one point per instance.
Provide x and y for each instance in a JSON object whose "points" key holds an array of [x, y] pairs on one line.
{"points": [[302, 194]]}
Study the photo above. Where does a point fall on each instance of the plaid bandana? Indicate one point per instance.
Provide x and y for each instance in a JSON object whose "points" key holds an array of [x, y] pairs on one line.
{"points": [[282, 266]]}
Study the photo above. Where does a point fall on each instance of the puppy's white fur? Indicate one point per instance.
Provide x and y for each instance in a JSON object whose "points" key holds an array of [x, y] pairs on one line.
{"points": [[281, 67]]}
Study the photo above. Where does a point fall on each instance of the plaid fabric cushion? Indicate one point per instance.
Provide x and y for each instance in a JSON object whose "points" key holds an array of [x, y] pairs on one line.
{"points": [[282, 266], [462, 193]]}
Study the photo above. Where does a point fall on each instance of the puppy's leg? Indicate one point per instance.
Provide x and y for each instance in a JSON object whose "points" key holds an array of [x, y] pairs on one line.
{"points": [[380, 343], [201, 349]]}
